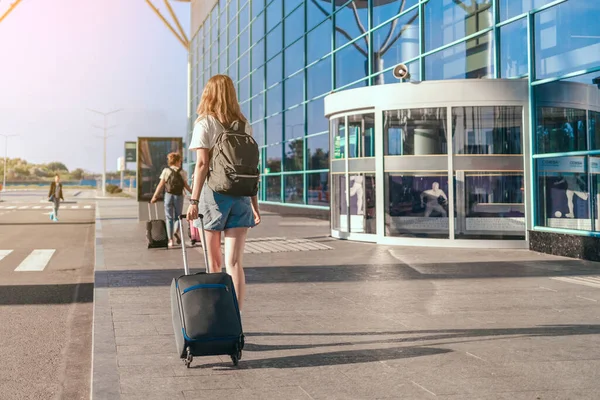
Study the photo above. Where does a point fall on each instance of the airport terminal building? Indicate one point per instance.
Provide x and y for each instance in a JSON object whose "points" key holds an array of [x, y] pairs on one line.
{"points": [[492, 140]]}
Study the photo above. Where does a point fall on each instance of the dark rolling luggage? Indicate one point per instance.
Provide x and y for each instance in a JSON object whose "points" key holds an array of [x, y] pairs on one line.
{"points": [[156, 231], [206, 317]]}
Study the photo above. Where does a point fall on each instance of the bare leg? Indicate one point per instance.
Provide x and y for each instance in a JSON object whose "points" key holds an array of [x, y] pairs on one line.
{"points": [[570, 194], [235, 240], [213, 247], [582, 195]]}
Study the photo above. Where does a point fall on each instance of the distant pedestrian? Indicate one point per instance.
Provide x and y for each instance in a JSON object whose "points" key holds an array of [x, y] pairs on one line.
{"points": [[174, 180], [55, 195]]}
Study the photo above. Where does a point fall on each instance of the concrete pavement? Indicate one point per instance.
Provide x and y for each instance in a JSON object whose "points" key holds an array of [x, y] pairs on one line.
{"points": [[351, 321]]}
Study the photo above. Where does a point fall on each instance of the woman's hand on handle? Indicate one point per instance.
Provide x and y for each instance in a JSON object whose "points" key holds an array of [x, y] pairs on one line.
{"points": [[192, 212]]}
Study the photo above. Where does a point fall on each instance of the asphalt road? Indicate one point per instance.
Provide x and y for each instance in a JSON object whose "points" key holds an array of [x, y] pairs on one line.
{"points": [[46, 294]]}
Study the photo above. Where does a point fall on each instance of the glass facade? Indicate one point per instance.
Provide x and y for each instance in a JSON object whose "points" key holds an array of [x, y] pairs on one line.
{"points": [[286, 56]]}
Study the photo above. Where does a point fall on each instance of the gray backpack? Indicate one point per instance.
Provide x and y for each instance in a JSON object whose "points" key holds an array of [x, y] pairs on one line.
{"points": [[234, 162]]}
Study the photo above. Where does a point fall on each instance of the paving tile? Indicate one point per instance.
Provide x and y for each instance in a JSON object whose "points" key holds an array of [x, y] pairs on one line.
{"points": [[175, 384], [288, 393]]}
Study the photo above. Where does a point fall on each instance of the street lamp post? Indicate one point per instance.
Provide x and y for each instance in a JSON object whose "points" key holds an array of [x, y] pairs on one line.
{"points": [[5, 158], [105, 136]]}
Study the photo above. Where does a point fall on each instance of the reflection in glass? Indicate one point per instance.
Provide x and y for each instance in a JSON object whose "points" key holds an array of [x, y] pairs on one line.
{"points": [[416, 205], [294, 90], [361, 135], [318, 189], [563, 194], [560, 129], [274, 70], [273, 163], [351, 22], [362, 204], [473, 59], [338, 201], [396, 42], [351, 63], [487, 130], [274, 129], [315, 120], [294, 26], [420, 131], [450, 20], [294, 58], [318, 78], [258, 109], [316, 47], [258, 132], [274, 41], [317, 11], [489, 206], [594, 126], [273, 188], [513, 49], [258, 81], [294, 155], [594, 169], [258, 54], [294, 123], [317, 152], [512, 8], [384, 10], [338, 129], [567, 38], [294, 188], [274, 99]]}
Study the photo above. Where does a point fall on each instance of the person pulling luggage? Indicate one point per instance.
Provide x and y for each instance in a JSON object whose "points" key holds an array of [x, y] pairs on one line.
{"points": [[226, 178], [174, 181]]}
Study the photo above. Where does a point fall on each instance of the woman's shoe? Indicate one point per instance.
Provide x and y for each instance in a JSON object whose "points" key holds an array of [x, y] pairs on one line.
{"points": [[177, 238]]}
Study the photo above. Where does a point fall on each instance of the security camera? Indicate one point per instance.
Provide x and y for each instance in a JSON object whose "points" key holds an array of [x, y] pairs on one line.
{"points": [[401, 72]]}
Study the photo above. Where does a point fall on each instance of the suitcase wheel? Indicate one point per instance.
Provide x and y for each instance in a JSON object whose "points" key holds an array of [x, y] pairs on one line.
{"points": [[235, 358], [189, 358]]}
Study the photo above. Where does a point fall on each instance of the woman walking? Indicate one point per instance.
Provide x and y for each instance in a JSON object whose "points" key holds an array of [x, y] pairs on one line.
{"points": [[174, 180], [223, 214], [55, 195]]}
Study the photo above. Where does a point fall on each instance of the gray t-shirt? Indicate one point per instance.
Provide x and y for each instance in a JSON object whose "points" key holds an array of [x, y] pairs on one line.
{"points": [[206, 131], [168, 171]]}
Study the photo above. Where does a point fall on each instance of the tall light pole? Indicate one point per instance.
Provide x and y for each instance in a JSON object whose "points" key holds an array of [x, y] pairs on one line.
{"points": [[5, 158], [105, 128]]}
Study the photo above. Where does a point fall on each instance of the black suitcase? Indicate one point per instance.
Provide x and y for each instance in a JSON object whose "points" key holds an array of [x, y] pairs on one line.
{"points": [[156, 231], [205, 312]]}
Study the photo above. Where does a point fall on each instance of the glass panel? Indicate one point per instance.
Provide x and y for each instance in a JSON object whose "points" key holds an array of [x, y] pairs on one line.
{"points": [[294, 189], [245, 107], [351, 63], [396, 42], [244, 89], [352, 21], [273, 159], [318, 78], [245, 65], [257, 7], [294, 26], [244, 40], [318, 189], [384, 10], [258, 110], [487, 130], [258, 132], [361, 135], [274, 188], [567, 38], [258, 27], [388, 76], [274, 130], [493, 206], [513, 49], [294, 155], [416, 205], [274, 70], [473, 59], [274, 14], [232, 51], [258, 80], [317, 152], [338, 129], [232, 29], [275, 41], [294, 123], [563, 196], [316, 121], [419, 131], [362, 204], [294, 90], [594, 129], [594, 169], [294, 58], [258, 54], [244, 17], [339, 206], [289, 5], [512, 8], [274, 100], [317, 11], [560, 129], [318, 42], [450, 20]]}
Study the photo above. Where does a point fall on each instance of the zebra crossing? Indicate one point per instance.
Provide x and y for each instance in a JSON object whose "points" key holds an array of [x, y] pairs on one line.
{"points": [[35, 260], [45, 207]]}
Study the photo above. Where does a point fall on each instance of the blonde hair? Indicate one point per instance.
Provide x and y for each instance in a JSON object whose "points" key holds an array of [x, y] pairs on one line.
{"points": [[219, 100], [173, 159]]}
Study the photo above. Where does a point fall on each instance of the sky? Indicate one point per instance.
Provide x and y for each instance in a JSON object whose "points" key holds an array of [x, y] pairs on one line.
{"points": [[60, 57]]}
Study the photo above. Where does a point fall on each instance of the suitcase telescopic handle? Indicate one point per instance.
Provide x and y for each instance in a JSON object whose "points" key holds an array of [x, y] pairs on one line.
{"points": [[186, 268]]}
